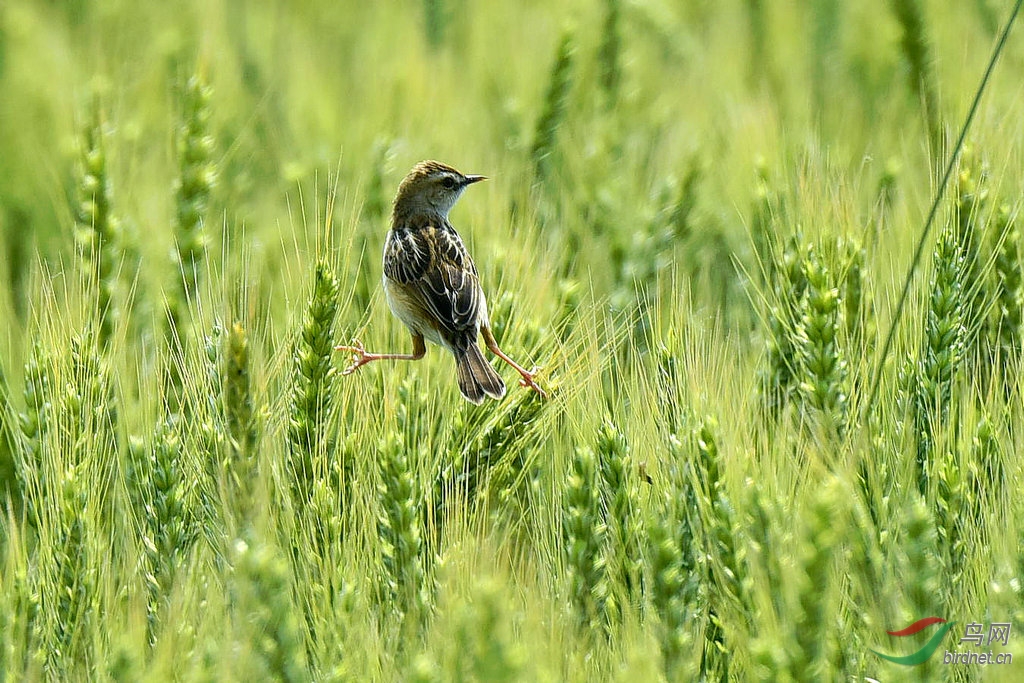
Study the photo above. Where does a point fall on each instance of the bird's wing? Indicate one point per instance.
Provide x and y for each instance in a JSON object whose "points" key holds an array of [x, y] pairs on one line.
{"points": [[437, 271]]}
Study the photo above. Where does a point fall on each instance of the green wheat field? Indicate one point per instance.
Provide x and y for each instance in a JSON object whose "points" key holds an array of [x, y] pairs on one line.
{"points": [[699, 220]]}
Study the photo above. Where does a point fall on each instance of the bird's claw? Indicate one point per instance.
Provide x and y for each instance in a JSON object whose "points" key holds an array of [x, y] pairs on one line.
{"points": [[359, 356], [527, 381]]}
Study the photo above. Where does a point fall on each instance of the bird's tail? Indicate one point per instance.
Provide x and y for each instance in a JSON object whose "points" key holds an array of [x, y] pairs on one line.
{"points": [[476, 377]]}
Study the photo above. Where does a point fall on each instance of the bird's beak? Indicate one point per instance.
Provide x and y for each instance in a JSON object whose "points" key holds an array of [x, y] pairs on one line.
{"points": [[470, 179]]}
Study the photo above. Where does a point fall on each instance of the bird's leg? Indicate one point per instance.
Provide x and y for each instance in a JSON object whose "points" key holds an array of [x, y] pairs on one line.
{"points": [[361, 356], [527, 380]]}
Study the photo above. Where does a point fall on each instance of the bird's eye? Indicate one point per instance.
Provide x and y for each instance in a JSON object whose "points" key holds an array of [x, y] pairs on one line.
{"points": [[448, 182]]}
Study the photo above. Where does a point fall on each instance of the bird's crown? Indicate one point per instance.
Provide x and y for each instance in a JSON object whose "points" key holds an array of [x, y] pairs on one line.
{"points": [[426, 169]]}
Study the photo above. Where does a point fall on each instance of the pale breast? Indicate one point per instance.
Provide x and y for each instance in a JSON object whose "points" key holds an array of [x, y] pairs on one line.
{"points": [[409, 311]]}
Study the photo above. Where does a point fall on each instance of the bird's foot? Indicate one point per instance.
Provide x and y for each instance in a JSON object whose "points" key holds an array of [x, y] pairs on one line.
{"points": [[527, 381], [360, 357]]}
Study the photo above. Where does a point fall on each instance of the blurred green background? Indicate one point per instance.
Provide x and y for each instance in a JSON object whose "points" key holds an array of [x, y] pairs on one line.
{"points": [[360, 91], [304, 89]]}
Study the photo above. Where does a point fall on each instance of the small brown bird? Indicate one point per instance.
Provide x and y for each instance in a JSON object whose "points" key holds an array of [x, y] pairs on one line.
{"points": [[432, 285]]}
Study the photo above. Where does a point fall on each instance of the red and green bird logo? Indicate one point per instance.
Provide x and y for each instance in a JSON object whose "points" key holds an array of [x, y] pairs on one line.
{"points": [[928, 649]]}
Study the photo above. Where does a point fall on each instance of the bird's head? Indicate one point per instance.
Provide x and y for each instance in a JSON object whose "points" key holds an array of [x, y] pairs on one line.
{"points": [[431, 187]]}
